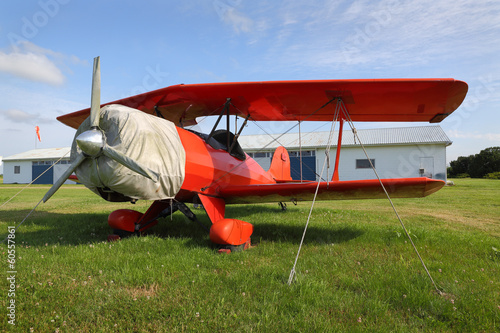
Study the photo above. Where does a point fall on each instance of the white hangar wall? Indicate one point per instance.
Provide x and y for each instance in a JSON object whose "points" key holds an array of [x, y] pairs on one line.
{"points": [[397, 152], [49, 164], [404, 161], [17, 172], [24, 173]]}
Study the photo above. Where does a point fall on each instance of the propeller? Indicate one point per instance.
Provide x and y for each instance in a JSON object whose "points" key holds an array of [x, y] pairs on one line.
{"points": [[93, 142], [95, 97]]}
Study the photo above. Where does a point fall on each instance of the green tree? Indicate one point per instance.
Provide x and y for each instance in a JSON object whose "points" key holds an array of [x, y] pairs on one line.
{"points": [[477, 166], [487, 161], [460, 166]]}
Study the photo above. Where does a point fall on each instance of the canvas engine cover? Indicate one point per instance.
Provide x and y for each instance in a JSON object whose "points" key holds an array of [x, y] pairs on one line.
{"points": [[151, 141]]}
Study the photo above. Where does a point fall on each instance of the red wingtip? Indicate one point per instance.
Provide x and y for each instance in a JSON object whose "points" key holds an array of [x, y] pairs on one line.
{"points": [[432, 186]]}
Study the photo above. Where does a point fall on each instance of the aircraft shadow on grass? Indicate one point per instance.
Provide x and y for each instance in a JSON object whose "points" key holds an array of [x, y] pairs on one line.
{"points": [[75, 229]]}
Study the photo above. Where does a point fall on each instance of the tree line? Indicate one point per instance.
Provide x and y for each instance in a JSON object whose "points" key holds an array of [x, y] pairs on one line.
{"points": [[486, 164]]}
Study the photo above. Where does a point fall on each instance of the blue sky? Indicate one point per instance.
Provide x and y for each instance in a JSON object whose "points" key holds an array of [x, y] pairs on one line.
{"points": [[47, 47]]}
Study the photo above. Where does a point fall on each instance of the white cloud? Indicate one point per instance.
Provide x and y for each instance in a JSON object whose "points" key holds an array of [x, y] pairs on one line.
{"points": [[19, 116], [31, 62], [493, 137], [229, 14], [355, 10], [238, 21], [34, 67], [385, 34]]}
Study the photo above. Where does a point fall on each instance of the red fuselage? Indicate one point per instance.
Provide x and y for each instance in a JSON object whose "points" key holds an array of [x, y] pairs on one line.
{"points": [[208, 170]]}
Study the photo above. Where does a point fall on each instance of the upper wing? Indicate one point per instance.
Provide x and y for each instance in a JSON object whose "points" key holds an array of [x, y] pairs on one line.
{"points": [[428, 100], [334, 190]]}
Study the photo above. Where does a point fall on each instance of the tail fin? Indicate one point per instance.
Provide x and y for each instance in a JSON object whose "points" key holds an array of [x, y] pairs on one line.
{"points": [[280, 165]]}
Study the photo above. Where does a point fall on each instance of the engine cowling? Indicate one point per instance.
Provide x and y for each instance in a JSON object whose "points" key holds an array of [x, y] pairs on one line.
{"points": [[150, 141]]}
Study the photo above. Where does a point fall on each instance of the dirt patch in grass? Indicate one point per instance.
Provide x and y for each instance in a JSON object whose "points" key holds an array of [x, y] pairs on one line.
{"points": [[453, 219], [143, 291]]}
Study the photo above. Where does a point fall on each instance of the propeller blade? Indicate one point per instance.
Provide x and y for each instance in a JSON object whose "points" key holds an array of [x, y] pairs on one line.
{"points": [[95, 106], [130, 163], [63, 178]]}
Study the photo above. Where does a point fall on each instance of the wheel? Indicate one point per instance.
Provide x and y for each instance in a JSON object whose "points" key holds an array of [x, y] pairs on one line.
{"points": [[234, 248], [113, 238], [123, 233]]}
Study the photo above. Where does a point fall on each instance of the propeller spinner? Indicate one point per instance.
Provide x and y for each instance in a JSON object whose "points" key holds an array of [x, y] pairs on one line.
{"points": [[93, 141]]}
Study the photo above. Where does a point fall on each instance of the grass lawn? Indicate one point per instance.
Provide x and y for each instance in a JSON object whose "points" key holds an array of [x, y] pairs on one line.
{"points": [[356, 271]]}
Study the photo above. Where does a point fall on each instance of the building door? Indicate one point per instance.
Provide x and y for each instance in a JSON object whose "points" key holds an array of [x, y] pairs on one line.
{"points": [[46, 178], [308, 165], [426, 167]]}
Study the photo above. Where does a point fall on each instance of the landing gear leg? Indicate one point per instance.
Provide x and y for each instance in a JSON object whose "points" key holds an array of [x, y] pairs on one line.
{"points": [[128, 222], [184, 210]]}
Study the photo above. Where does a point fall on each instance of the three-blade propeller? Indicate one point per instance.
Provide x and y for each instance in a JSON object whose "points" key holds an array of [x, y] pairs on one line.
{"points": [[93, 141]]}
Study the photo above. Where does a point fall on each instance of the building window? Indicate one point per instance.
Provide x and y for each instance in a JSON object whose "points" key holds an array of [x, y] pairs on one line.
{"points": [[17, 169], [305, 153], [364, 163], [259, 154]]}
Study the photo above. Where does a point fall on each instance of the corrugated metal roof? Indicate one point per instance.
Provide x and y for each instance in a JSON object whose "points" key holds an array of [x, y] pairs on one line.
{"points": [[40, 154], [379, 136]]}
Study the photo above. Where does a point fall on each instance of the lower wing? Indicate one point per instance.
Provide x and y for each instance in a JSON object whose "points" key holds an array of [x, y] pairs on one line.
{"points": [[333, 190]]}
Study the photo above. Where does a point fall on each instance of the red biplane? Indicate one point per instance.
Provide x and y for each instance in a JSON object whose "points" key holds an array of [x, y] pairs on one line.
{"points": [[137, 148]]}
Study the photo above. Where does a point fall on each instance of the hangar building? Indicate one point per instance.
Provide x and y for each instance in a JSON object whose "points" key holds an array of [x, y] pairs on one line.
{"points": [[396, 153], [34, 164]]}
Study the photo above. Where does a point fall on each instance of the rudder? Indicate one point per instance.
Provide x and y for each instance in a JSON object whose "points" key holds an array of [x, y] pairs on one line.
{"points": [[280, 165]]}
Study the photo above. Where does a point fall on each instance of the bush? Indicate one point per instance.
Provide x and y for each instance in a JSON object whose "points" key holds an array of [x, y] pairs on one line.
{"points": [[462, 175], [492, 175]]}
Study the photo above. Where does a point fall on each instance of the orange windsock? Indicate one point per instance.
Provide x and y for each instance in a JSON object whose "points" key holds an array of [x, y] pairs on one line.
{"points": [[37, 129]]}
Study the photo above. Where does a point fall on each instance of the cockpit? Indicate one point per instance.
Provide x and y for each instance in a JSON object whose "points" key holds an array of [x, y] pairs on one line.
{"points": [[225, 140]]}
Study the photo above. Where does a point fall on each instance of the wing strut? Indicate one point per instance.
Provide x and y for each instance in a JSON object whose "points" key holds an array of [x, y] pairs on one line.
{"points": [[335, 177], [238, 134], [274, 139], [224, 110]]}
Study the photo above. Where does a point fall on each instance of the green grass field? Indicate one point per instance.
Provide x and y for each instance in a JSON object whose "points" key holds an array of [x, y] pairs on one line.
{"points": [[356, 272]]}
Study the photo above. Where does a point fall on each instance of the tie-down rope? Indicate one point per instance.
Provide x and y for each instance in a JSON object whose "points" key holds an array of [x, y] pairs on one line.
{"points": [[332, 129], [346, 116], [34, 180]]}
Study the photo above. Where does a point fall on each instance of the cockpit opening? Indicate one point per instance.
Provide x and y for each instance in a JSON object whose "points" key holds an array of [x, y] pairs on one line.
{"points": [[219, 140]]}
